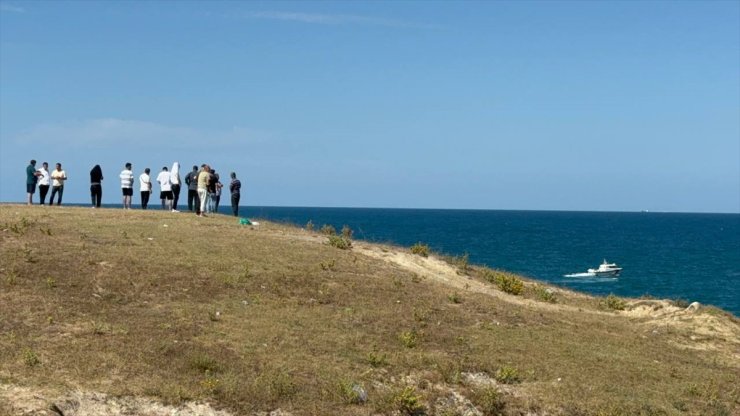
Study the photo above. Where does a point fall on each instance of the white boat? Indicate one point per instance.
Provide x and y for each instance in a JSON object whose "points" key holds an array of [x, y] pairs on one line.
{"points": [[608, 269]]}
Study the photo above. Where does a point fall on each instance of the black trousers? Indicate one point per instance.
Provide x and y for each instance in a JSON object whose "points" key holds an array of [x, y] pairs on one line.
{"points": [[145, 199], [56, 190], [175, 195], [235, 203], [43, 190], [96, 194]]}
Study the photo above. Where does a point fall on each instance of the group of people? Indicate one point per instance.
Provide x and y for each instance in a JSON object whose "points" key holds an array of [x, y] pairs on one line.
{"points": [[204, 187]]}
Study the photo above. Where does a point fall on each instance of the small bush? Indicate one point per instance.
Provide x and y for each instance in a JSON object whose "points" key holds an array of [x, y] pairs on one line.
{"points": [[339, 242], [507, 375], [309, 225], [463, 263], [327, 229], [408, 402], [420, 249], [454, 297], [30, 358], [409, 339], [347, 232], [204, 364], [327, 265], [351, 392], [505, 281], [544, 294], [489, 401], [376, 359], [681, 303], [614, 303], [51, 283]]}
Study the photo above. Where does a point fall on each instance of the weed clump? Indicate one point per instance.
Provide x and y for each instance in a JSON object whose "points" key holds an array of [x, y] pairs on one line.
{"points": [[409, 339], [347, 232], [327, 265], [454, 297], [309, 225], [506, 282], [351, 392], [204, 364], [489, 401], [30, 358], [544, 294], [420, 249], [614, 303], [376, 359], [408, 402], [340, 242], [507, 375], [328, 229]]}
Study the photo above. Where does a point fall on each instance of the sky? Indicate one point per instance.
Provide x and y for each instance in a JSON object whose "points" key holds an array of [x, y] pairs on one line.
{"points": [[605, 106]]}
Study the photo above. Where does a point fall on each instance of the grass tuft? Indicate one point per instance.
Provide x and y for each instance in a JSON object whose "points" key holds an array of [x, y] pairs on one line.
{"points": [[420, 249]]}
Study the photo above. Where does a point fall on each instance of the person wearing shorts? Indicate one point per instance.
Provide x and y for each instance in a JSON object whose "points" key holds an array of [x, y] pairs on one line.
{"points": [[31, 178], [165, 185], [127, 185]]}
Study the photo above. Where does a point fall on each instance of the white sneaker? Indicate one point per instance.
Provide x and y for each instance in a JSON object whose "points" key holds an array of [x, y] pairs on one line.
{"points": [[174, 210]]}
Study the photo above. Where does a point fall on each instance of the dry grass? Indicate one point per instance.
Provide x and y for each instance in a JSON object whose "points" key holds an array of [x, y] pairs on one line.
{"points": [[179, 308]]}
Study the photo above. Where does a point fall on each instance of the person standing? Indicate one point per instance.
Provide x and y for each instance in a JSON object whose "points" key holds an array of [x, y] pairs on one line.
{"points": [[191, 179], [175, 181], [145, 184], [235, 187], [127, 185], [44, 182], [203, 178], [58, 177], [96, 186], [31, 178], [165, 186], [211, 190], [217, 198]]}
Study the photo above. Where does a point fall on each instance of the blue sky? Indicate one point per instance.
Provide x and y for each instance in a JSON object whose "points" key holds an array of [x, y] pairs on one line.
{"points": [[494, 105]]}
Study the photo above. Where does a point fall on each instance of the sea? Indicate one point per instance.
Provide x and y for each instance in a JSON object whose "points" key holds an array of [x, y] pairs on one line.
{"points": [[679, 256]]}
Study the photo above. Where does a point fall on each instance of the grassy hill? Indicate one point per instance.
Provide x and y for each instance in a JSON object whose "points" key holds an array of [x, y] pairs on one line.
{"points": [[149, 312]]}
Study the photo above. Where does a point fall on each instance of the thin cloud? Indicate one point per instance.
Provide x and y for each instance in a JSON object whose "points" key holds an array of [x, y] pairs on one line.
{"points": [[103, 133], [5, 7], [332, 19]]}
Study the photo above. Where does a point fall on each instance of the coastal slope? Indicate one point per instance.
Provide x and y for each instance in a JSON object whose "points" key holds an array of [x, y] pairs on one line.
{"points": [[107, 311]]}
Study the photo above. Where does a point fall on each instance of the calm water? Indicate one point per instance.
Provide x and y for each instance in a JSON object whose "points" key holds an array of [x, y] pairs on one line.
{"points": [[688, 256]]}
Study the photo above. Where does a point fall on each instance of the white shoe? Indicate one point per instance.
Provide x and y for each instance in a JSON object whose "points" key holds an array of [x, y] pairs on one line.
{"points": [[174, 210]]}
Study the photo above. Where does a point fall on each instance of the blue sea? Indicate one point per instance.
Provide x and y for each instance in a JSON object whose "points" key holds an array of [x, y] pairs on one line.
{"points": [[695, 257]]}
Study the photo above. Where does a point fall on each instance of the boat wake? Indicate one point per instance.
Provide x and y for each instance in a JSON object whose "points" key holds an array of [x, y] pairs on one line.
{"points": [[580, 275]]}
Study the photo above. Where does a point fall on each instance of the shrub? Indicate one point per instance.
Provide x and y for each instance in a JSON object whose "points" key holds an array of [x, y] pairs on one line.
{"points": [[463, 263], [507, 375], [339, 242], [544, 294], [376, 359], [681, 303], [327, 229], [309, 225], [327, 265], [454, 297], [204, 364], [30, 358], [505, 281], [420, 249], [409, 339], [351, 392], [408, 402], [489, 401], [614, 303], [347, 232]]}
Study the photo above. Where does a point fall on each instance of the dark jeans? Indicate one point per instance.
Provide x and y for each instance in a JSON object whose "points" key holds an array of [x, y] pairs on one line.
{"points": [[54, 191], [43, 189], [96, 194], [145, 199], [193, 203], [175, 195], [218, 201], [235, 203]]}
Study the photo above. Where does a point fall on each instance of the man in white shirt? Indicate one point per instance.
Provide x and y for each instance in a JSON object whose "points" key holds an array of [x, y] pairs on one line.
{"points": [[145, 186], [127, 185], [165, 184], [58, 177], [44, 182]]}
